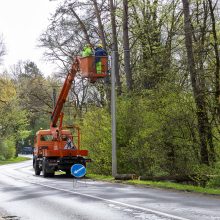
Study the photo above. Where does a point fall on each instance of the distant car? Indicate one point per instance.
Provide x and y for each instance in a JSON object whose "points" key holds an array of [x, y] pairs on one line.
{"points": [[27, 150]]}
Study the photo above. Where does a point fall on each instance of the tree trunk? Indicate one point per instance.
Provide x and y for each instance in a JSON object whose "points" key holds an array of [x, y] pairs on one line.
{"points": [[127, 59], [107, 88], [217, 61], [115, 47], [82, 25], [204, 127], [100, 25], [16, 148]]}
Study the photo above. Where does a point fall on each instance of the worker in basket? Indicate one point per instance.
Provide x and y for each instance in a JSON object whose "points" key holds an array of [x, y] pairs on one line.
{"points": [[87, 50], [99, 52]]}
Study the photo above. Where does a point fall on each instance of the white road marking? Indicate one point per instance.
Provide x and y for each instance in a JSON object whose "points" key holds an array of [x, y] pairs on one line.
{"points": [[105, 200], [127, 210], [112, 201]]}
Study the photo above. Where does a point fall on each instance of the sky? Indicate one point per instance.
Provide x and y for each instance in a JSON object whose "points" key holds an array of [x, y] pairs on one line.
{"points": [[21, 23]]}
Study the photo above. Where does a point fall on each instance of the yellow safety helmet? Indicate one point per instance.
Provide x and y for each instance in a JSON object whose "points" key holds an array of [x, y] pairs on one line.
{"points": [[100, 45]]}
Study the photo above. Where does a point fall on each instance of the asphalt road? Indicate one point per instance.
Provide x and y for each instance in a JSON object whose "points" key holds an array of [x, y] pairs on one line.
{"points": [[25, 196]]}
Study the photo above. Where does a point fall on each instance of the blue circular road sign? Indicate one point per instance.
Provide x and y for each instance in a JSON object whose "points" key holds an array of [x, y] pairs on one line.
{"points": [[78, 170]]}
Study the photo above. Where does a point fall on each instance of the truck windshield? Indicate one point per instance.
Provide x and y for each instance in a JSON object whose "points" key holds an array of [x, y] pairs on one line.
{"points": [[46, 137]]}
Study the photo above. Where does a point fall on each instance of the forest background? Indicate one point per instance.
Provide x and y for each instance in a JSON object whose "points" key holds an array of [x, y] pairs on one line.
{"points": [[167, 80]]}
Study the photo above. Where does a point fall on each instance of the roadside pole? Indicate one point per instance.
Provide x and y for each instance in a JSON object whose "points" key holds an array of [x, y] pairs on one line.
{"points": [[113, 116]]}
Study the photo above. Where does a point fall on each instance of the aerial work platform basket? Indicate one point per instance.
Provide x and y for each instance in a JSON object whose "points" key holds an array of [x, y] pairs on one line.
{"points": [[88, 67]]}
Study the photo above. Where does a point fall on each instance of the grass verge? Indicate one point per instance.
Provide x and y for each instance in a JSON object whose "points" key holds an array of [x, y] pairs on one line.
{"points": [[100, 177], [13, 160], [159, 184], [176, 186]]}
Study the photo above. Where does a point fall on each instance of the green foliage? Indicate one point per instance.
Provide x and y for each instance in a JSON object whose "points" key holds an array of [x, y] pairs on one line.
{"points": [[162, 184], [157, 126], [7, 90], [13, 123], [177, 186], [3, 150], [214, 182], [214, 178], [13, 160], [96, 137], [10, 148], [7, 149], [100, 177], [135, 129], [154, 133], [34, 93]]}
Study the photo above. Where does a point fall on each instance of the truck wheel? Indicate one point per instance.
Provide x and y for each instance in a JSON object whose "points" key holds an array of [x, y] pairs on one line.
{"points": [[44, 169], [36, 168], [50, 174]]}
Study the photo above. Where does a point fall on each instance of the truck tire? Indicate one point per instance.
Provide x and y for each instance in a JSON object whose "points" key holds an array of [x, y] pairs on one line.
{"points": [[44, 170], [36, 168], [50, 174]]}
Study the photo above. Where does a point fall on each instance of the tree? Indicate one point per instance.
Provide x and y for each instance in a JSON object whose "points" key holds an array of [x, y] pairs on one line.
{"points": [[172, 110], [13, 126], [127, 62], [204, 127], [100, 24], [34, 94], [7, 90], [217, 59], [115, 45], [2, 49], [151, 49]]}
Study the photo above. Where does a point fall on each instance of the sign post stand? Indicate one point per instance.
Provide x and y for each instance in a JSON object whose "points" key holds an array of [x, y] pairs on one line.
{"points": [[78, 171]]}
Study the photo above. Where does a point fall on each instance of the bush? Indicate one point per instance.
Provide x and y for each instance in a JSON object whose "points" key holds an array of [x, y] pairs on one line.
{"points": [[2, 158], [96, 137], [214, 180], [7, 149], [156, 135], [138, 137]]}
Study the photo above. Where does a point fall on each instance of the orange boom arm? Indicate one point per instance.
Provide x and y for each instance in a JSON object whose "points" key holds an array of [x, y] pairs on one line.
{"points": [[63, 95]]}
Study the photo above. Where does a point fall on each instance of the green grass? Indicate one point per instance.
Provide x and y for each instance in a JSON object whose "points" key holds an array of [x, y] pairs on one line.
{"points": [[100, 177], [177, 186], [159, 184], [13, 160]]}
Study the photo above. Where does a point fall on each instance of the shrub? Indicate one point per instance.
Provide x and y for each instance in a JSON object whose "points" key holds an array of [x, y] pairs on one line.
{"points": [[7, 149], [96, 137]]}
